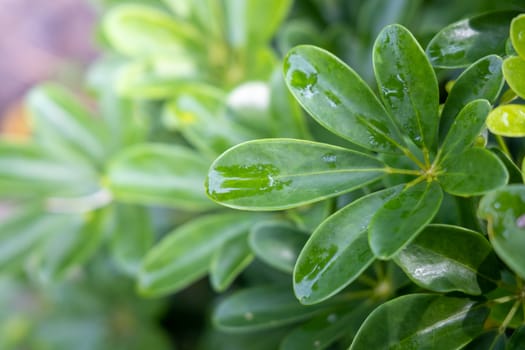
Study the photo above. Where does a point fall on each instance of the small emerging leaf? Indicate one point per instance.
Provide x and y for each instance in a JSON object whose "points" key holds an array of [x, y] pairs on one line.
{"points": [[339, 99], [517, 30], [338, 251], [418, 321], [402, 217], [284, 173], [408, 84]]}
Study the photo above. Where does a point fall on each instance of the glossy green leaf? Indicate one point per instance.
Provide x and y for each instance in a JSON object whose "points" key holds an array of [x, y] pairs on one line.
{"points": [[488, 341], [517, 30], [482, 80], [139, 30], [446, 258], [473, 172], [515, 173], [277, 244], [407, 84], [26, 171], [338, 252], [504, 210], [517, 339], [514, 72], [284, 173], [422, 321], [338, 98], [186, 253], [507, 120], [252, 23], [72, 245], [65, 127], [261, 308], [159, 174], [402, 217], [25, 229], [466, 41], [229, 261], [465, 128], [131, 236], [320, 332]]}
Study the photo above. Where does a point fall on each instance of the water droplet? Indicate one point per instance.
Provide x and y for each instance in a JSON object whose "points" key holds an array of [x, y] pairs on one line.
{"points": [[317, 343], [330, 159], [497, 205], [332, 318], [333, 100]]}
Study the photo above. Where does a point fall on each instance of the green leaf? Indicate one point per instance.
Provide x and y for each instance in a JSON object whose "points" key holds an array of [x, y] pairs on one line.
{"points": [[284, 173], [229, 261], [26, 171], [488, 341], [253, 23], [517, 339], [515, 173], [186, 253], [65, 127], [338, 252], [514, 72], [334, 95], [507, 120], [482, 80], [517, 28], [138, 30], [261, 308], [462, 43], [446, 258], [277, 244], [320, 332], [131, 236], [159, 174], [504, 210], [402, 217], [465, 128], [407, 84], [473, 172], [23, 230], [72, 245], [418, 321]]}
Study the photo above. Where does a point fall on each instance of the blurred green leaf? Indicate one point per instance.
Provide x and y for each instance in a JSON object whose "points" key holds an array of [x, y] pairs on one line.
{"points": [[407, 85], [473, 172], [504, 210], [517, 339], [159, 174], [229, 261], [338, 252], [517, 28], [283, 173], [339, 99], [261, 308], [65, 127], [419, 320], [277, 244], [446, 258], [514, 72], [402, 217], [507, 120], [186, 253], [488, 341], [462, 43]]}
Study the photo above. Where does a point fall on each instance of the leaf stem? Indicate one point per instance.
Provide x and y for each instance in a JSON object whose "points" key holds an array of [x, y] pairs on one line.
{"points": [[509, 316], [403, 171], [412, 157], [503, 145], [366, 280]]}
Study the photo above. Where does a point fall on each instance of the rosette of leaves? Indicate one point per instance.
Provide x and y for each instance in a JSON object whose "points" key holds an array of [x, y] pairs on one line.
{"points": [[408, 154]]}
